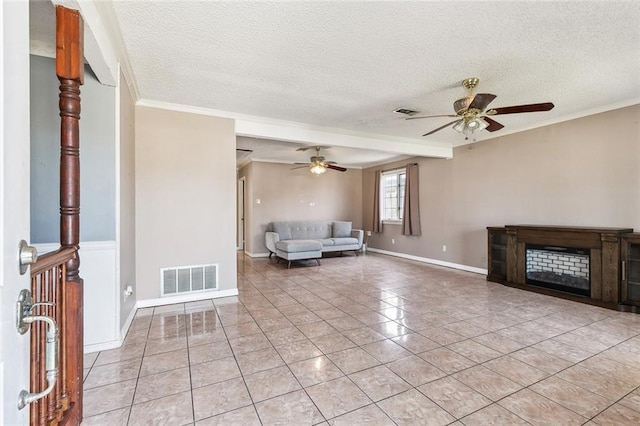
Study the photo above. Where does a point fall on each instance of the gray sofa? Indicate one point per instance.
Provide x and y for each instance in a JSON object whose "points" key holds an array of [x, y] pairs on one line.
{"points": [[309, 239]]}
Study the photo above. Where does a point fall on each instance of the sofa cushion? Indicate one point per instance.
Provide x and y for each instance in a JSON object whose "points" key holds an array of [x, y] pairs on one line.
{"points": [[310, 230], [327, 242], [341, 229], [296, 246], [344, 241], [282, 229]]}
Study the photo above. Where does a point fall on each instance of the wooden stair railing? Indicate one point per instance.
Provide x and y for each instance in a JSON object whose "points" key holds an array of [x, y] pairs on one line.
{"points": [[48, 289], [57, 288]]}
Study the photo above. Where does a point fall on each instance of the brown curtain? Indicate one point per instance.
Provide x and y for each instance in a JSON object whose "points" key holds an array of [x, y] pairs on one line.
{"points": [[411, 217], [377, 223]]}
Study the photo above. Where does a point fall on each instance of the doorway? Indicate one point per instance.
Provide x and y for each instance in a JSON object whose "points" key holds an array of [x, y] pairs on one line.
{"points": [[241, 226]]}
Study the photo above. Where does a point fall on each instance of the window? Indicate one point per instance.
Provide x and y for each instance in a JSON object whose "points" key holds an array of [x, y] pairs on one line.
{"points": [[392, 186]]}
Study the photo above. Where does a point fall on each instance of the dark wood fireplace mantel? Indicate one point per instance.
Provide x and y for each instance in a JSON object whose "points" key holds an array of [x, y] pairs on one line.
{"points": [[507, 257]]}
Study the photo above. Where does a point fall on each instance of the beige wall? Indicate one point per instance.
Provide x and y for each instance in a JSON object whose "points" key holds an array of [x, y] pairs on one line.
{"points": [[185, 195], [127, 213], [287, 194], [581, 172]]}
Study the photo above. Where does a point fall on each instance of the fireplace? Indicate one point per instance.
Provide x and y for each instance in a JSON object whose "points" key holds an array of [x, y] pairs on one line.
{"points": [[565, 269], [593, 273]]}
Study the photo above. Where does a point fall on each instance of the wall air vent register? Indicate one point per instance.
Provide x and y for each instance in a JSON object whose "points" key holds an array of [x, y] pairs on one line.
{"points": [[188, 279]]}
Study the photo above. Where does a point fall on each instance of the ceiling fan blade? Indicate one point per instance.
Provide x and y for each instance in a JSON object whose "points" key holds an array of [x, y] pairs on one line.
{"points": [[547, 106], [317, 148], [333, 167], [430, 116], [493, 124], [441, 127], [299, 167], [481, 100], [303, 163]]}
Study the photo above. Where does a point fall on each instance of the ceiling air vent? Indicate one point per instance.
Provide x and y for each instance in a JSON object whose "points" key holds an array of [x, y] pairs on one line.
{"points": [[405, 111]]}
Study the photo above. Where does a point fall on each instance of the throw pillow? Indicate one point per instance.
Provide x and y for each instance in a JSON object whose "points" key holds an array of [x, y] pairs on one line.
{"points": [[341, 229]]}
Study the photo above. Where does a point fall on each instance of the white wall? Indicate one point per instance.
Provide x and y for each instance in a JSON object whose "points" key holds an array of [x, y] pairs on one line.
{"points": [[126, 212], [185, 197]]}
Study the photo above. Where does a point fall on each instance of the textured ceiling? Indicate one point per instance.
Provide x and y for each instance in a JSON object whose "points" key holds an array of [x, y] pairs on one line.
{"points": [[349, 64], [287, 152]]}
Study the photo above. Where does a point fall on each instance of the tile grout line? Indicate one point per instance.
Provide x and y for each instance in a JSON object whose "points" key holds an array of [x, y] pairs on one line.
{"points": [[133, 397], [307, 283]]}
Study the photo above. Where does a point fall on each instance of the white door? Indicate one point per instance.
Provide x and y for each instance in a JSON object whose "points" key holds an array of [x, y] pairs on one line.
{"points": [[14, 204]]}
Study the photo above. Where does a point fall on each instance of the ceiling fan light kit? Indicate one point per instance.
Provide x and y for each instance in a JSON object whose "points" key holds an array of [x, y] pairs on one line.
{"points": [[317, 168], [469, 126], [472, 115]]}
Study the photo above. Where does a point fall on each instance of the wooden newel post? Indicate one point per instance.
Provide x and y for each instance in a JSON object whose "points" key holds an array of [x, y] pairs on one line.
{"points": [[70, 72]]}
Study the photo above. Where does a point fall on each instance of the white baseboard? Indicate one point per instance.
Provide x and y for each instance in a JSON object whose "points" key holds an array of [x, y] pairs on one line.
{"points": [[102, 346], [431, 261], [256, 254], [127, 324], [161, 301]]}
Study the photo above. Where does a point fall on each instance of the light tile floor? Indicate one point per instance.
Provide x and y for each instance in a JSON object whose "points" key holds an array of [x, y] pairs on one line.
{"points": [[370, 340]]}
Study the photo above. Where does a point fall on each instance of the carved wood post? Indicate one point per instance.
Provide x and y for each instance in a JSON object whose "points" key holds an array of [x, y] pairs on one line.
{"points": [[610, 267], [70, 72]]}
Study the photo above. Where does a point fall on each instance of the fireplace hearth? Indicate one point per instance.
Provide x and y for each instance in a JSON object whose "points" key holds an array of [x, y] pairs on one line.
{"points": [[559, 268]]}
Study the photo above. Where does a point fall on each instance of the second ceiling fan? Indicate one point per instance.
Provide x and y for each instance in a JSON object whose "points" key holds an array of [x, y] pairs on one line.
{"points": [[471, 113], [317, 164]]}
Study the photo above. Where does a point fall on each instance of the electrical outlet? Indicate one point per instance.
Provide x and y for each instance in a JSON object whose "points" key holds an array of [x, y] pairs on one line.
{"points": [[393, 241], [128, 291], [368, 233], [444, 247]]}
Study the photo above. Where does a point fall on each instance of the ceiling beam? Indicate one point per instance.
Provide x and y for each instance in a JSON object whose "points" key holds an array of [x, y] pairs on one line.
{"points": [[313, 135], [265, 128]]}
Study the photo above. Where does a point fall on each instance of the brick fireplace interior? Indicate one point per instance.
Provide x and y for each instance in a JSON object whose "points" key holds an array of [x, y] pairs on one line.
{"points": [[560, 268]]}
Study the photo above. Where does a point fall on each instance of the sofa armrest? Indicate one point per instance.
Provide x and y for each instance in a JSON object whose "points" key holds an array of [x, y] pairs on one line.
{"points": [[270, 240], [359, 234]]}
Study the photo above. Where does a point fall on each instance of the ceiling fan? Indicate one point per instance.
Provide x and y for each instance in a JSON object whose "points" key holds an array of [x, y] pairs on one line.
{"points": [[318, 165], [471, 113]]}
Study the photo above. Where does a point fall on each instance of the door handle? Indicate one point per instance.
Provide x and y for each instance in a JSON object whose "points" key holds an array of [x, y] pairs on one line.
{"points": [[24, 320]]}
